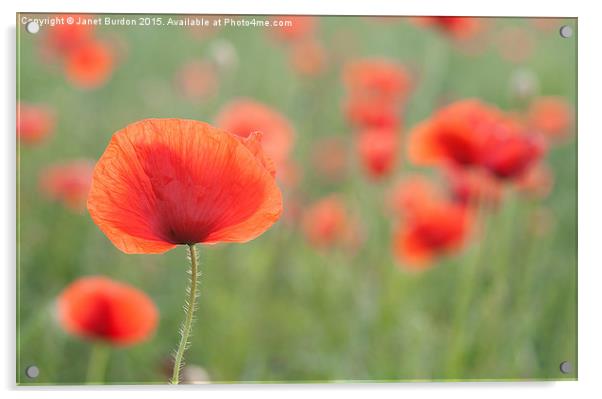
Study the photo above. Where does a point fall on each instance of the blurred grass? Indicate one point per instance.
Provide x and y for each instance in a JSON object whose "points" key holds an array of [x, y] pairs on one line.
{"points": [[275, 309]]}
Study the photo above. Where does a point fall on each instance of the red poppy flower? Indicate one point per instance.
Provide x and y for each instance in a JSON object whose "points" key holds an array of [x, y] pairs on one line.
{"points": [[164, 182], [98, 308], [291, 28], [68, 182], [378, 79], [510, 150], [244, 116], [552, 116], [364, 112], [378, 150], [456, 134], [409, 194], [90, 65], [197, 79], [455, 27], [62, 39], [436, 229], [34, 122], [308, 57], [325, 223]]}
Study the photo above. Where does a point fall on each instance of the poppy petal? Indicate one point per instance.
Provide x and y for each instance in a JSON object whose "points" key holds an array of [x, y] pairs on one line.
{"points": [[164, 182]]}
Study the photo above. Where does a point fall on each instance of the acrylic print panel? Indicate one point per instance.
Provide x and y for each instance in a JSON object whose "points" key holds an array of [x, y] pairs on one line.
{"points": [[366, 198]]}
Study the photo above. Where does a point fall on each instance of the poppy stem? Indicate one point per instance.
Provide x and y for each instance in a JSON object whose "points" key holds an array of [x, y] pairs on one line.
{"points": [[189, 308], [97, 365]]}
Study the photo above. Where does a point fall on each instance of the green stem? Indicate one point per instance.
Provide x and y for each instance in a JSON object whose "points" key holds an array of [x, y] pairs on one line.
{"points": [[97, 365], [466, 287], [189, 308]]}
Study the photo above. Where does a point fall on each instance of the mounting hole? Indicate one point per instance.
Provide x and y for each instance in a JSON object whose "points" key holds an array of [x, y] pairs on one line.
{"points": [[566, 367], [566, 31], [32, 372], [32, 27]]}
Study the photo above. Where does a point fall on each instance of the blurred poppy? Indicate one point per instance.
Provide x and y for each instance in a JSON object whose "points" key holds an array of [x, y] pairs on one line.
{"points": [[68, 183], [455, 134], [330, 158], [245, 116], [164, 182], [474, 186], [436, 229], [197, 79], [308, 57], [455, 27], [537, 180], [363, 111], [34, 122], [552, 116], [325, 222], [64, 38], [90, 65], [510, 150], [291, 28], [377, 79], [411, 193], [378, 151], [99, 308]]}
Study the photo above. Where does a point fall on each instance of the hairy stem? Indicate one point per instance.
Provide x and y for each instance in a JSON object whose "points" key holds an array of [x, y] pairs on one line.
{"points": [[189, 308]]}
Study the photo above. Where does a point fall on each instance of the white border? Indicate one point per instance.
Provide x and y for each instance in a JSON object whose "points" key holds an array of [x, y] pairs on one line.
{"points": [[590, 193]]}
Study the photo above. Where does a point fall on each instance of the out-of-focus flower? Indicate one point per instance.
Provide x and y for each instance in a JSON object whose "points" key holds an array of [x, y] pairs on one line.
{"points": [[376, 78], [378, 150], [330, 158], [62, 39], [510, 150], [167, 182], [90, 65], [456, 134], [34, 122], [469, 133], [552, 116], [537, 181], [364, 112], [308, 57], [98, 308], [197, 79], [326, 222], [455, 27], [474, 186], [515, 43], [411, 193], [245, 116], [223, 54], [291, 28], [438, 228], [524, 84], [68, 183]]}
